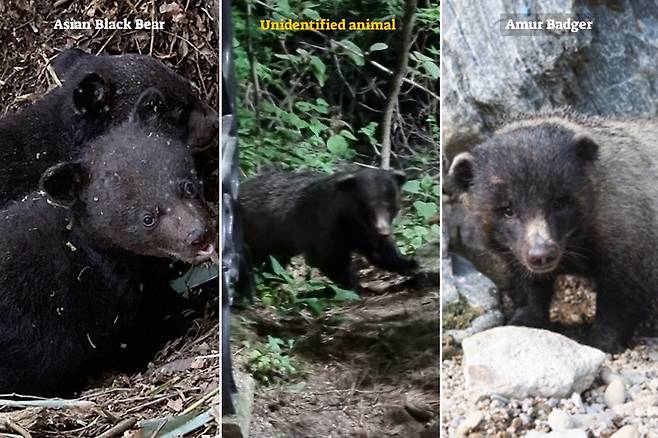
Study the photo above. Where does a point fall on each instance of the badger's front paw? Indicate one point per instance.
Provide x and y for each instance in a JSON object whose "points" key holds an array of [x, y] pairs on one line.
{"points": [[529, 316]]}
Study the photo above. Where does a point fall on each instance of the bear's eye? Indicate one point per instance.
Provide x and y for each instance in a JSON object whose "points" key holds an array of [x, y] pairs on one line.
{"points": [[506, 210], [149, 220], [561, 202], [188, 189]]}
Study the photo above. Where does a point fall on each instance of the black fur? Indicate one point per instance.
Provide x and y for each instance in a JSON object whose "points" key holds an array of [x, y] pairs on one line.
{"points": [[98, 92], [326, 218], [563, 194], [74, 262]]}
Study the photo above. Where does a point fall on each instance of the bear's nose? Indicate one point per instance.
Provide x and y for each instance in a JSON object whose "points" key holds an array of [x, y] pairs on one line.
{"points": [[196, 237], [543, 255]]}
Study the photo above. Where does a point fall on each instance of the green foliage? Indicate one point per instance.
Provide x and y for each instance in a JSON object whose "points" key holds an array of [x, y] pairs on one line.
{"points": [[281, 290], [411, 229], [270, 361], [314, 100]]}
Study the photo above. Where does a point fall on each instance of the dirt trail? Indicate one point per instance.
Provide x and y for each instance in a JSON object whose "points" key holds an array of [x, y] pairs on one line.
{"points": [[369, 368]]}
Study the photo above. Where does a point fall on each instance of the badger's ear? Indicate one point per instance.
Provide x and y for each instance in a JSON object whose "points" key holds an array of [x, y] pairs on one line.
{"points": [[400, 177], [150, 106], [92, 95], [67, 59], [460, 174], [585, 148], [346, 181], [63, 182]]}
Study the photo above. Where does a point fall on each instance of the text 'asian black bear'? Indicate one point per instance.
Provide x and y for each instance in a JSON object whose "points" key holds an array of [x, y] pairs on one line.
{"points": [[73, 261], [326, 218], [97, 92], [566, 194]]}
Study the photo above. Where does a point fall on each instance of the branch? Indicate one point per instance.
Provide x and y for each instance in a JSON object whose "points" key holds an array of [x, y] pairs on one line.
{"points": [[396, 82]]}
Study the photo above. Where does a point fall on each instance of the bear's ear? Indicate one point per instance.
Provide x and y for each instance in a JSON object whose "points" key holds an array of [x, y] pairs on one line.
{"points": [[460, 174], [346, 181], [150, 106], [585, 148], [400, 177], [92, 96], [63, 183], [67, 59]]}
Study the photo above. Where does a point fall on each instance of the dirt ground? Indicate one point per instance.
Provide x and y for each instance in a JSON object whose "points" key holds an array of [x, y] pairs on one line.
{"points": [[183, 378], [368, 369]]}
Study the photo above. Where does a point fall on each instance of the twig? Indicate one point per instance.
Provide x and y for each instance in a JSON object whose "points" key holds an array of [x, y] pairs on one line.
{"points": [[200, 401], [17, 428], [106, 43], [152, 28], [119, 428]]}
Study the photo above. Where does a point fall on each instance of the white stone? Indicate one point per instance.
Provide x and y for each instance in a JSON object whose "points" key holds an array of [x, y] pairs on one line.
{"points": [[471, 422], [519, 362], [571, 433], [559, 420], [615, 393], [629, 431]]}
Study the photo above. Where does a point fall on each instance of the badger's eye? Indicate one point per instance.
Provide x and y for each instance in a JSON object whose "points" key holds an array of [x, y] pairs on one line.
{"points": [[149, 220], [506, 210], [188, 189], [561, 202]]}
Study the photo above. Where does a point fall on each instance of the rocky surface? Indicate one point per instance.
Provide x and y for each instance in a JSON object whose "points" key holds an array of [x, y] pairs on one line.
{"points": [[519, 362], [611, 70], [621, 403], [471, 302]]}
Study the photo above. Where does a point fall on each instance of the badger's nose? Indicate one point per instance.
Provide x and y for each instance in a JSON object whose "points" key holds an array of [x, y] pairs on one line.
{"points": [[543, 256]]}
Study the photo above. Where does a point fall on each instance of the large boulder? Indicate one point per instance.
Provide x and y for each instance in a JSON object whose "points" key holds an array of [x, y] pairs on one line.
{"points": [[520, 362], [610, 70]]}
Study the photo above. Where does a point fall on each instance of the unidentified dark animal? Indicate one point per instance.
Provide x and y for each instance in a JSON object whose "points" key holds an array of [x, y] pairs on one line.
{"points": [[325, 217]]}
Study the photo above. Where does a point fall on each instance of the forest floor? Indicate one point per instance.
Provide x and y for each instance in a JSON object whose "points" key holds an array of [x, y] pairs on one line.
{"points": [[181, 381], [367, 369]]}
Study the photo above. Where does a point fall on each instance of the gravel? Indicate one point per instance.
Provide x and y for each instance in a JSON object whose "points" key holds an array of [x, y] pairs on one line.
{"points": [[623, 401]]}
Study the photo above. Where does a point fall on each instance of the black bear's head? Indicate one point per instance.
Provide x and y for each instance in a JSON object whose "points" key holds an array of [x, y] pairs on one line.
{"points": [[135, 189], [372, 197], [530, 189], [109, 86]]}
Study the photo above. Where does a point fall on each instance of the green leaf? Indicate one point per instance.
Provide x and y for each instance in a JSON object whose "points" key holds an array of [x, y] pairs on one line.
{"points": [[426, 209], [353, 52], [378, 46], [319, 69], [344, 294], [347, 134], [412, 186], [337, 145], [432, 69], [195, 276]]}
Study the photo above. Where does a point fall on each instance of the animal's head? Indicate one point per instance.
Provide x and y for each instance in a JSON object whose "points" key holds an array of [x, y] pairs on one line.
{"points": [[373, 195], [136, 188], [530, 190]]}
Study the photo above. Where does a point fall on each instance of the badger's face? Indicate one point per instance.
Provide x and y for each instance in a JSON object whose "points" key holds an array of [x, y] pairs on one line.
{"points": [[530, 192]]}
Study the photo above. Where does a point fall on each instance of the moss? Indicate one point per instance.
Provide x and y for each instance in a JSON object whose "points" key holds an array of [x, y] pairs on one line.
{"points": [[459, 314]]}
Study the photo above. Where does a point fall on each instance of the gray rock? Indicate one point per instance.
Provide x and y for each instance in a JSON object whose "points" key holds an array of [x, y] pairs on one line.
{"points": [[462, 280], [518, 362], [611, 70]]}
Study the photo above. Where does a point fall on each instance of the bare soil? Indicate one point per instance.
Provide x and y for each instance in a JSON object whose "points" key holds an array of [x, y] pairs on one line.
{"points": [[368, 368]]}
